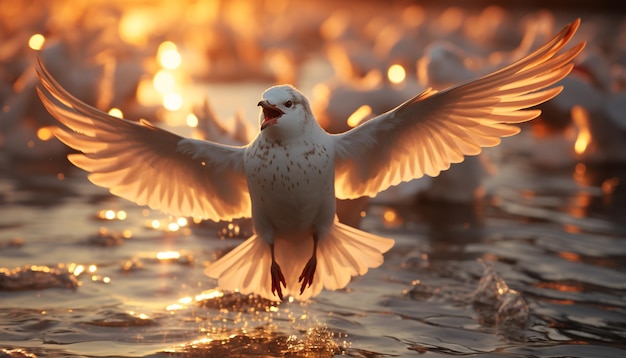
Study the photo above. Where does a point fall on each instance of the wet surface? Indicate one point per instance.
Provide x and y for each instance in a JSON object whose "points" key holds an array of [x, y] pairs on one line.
{"points": [[536, 268]]}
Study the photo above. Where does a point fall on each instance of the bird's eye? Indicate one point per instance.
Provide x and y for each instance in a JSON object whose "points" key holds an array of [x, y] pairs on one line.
{"points": [[288, 104]]}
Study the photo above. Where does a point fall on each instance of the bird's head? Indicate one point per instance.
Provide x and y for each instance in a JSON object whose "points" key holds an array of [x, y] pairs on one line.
{"points": [[284, 111]]}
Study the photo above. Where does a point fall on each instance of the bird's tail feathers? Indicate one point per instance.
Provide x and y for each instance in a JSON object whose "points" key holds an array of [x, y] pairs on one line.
{"points": [[343, 253], [346, 252], [245, 269]]}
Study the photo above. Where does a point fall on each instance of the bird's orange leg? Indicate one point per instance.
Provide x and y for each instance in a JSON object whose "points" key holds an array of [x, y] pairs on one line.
{"points": [[277, 276], [309, 269]]}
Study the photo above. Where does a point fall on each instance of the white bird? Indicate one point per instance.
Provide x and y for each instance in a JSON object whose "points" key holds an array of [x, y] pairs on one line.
{"points": [[287, 178]]}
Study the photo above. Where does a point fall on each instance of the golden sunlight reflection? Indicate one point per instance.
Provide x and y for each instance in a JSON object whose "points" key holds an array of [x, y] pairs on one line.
{"points": [[116, 112], [170, 225], [172, 101], [138, 315], [175, 307], [165, 85], [36, 42], [288, 330], [359, 115], [168, 255], [209, 295], [191, 120], [173, 227], [135, 26], [164, 81], [184, 302], [231, 230], [40, 268], [109, 214], [396, 74], [391, 218], [75, 269], [580, 117], [147, 94], [168, 55], [155, 224]]}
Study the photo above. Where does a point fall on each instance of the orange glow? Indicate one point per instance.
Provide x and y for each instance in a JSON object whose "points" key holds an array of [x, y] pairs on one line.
{"points": [[164, 81], [146, 92], [609, 185], [528, 194], [451, 19], [44, 133], [569, 256], [413, 15], [172, 101], [168, 55], [396, 74], [580, 116], [116, 112], [580, 169], [359, 115], [390, 217], [559, 286], [282, 65], [572, 229], [335, 25], [135, 27], [36, 42]]}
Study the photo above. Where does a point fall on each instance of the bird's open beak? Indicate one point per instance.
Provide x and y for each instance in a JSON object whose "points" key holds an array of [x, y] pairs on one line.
{"points": [[271, 114]]}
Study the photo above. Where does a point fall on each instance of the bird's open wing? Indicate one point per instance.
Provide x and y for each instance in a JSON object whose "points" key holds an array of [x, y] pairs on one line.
{"points": [[430, 131], [148, 165]]}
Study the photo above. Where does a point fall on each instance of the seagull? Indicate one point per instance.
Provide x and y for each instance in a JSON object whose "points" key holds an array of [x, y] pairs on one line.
{"points": [[288, 177]]}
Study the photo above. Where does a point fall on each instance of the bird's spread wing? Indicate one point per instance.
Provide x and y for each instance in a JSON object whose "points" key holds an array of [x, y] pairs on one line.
{"points": [[148, 165], [430, 131]]}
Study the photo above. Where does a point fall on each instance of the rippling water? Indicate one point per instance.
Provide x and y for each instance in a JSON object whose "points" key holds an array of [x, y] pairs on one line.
{"points": [[548, 244]]}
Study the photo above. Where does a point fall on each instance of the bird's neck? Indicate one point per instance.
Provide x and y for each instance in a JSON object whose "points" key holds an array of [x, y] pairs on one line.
{"points": [[307, 131]]}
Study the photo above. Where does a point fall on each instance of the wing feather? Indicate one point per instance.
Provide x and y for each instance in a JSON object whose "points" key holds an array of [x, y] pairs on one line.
{"points": [[146, 164], [427, 133]]}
